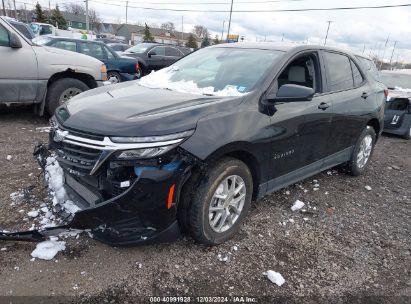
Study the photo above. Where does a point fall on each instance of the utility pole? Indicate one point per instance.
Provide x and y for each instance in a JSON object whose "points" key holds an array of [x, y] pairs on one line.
{"points": [[363, 50], [25, 12], [4, 8], [326, 35], [15, 10], [182, 30], [282, 38], [393, 49], [229, 22], [87, 18], [383, 54], [222, 32], [126, 12]]}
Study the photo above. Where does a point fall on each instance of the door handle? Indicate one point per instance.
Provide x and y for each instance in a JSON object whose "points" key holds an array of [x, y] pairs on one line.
{"points": [[364, 95], [323, 106]]}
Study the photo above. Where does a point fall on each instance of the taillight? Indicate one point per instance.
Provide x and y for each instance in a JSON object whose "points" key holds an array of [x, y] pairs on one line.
{"points": [[137, 67], [386, 92]]}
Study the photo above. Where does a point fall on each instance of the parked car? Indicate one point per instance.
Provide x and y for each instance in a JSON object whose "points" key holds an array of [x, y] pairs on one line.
{"points": [[111, 40], [155, 56], [118, 68], [43, 76], [398, 106], [22, 28], [186, 149]]}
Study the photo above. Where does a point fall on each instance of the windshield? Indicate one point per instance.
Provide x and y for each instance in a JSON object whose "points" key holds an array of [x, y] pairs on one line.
{"points": [[139, 48], [215, 71], [394, 80]]}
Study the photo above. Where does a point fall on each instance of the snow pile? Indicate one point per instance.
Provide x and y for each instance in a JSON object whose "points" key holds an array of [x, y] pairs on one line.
{"points": [[275, 277], [297, 205], [33, 213], [162, 80], [55, 178], [47, 250]]}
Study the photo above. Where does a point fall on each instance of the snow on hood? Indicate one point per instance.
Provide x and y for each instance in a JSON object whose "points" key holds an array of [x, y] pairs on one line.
{"points": [[162, 80]]}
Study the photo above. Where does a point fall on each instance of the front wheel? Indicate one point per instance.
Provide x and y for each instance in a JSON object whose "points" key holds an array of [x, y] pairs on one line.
{"points": [[62, 91], [362, 151], [221, 202]]}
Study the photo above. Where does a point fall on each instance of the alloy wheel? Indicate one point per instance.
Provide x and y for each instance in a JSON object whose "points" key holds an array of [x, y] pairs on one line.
{"points": [[365, 151], [227, 203]]}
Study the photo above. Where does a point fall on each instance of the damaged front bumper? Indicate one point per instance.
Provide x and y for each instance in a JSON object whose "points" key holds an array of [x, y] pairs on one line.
{"points": [[144, 212]]}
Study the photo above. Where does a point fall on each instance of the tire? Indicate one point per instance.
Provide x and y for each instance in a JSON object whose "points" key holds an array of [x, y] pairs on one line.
{"points": [[356, 166], [140, 72], [210, 184], [116, 77], [407, 135], [62, 87]]}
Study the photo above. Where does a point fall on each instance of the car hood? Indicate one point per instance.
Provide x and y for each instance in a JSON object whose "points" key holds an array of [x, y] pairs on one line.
{"points": [[128, 109]]}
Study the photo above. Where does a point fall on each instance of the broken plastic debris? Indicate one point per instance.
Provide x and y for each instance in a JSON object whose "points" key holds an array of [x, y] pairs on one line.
{"points": [[275, 277], [297, 205]]}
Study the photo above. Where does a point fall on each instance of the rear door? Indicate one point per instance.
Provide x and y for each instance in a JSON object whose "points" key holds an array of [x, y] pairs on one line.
{"points": [[18, 70], [348, 89]]}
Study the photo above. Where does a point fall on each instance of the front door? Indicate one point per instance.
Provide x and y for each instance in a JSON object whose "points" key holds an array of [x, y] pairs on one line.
{"points": [[303, 126], [18, 70], [156, 58]]}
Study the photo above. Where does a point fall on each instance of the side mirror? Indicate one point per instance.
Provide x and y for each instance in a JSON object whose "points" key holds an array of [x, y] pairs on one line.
{"points": [[151, 53], [292, 93], [15, 42]]}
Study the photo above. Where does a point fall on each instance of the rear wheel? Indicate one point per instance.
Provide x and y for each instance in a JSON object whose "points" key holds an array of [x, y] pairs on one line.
{"points": [[221, 202], [362, 151], [62, 91]]}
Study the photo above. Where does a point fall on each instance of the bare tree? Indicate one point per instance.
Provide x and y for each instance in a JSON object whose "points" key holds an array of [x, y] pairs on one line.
{"points": [[201, 31], [168, 26], [78, 9], [74, 8]]}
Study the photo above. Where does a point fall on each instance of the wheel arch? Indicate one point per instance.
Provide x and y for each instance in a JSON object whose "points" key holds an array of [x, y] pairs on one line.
{"points": [[69, 73], [376, 125], [239, 151]]}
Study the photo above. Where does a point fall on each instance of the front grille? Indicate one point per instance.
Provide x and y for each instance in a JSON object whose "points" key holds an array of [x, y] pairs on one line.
{"points": [[83, 134], [85, 193], [76, 159]]}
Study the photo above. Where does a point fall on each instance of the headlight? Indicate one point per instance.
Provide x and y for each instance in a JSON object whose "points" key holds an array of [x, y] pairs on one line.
{"points": [[153, 139], [144, 153]]}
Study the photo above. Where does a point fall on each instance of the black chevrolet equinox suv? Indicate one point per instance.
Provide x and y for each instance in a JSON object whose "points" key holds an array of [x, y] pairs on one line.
{"points": [[186, 149]]}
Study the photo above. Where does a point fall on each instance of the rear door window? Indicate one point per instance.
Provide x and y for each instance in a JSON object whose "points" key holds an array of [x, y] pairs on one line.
{"points": [[340, 76]]}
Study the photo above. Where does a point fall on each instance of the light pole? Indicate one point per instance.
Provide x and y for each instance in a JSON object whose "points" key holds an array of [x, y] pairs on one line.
{"points": [[222, 31], [392, 54], [4, 8], [126, 11], [229, 22], [326, 35], [87, 18]]}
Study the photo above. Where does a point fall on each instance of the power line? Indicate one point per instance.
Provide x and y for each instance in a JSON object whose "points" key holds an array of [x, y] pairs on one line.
{"points": [[258, 11], [213, 3]]}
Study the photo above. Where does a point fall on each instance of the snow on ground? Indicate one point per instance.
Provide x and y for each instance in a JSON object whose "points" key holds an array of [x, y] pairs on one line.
{"points": [[275, 277], [33, 213], [162, 80], [9, 157], [368, 188], [297, 205], [47, 250]]}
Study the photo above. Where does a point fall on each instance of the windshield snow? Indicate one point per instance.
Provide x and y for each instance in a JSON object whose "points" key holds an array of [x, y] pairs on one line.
{"points": [[215, 71]]}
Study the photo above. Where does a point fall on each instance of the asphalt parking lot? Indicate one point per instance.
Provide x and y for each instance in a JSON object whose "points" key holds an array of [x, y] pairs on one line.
{"points": [[350, 243]]}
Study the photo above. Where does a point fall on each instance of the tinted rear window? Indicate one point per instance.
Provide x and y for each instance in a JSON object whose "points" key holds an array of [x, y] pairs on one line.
{"points": [[370, 67]]}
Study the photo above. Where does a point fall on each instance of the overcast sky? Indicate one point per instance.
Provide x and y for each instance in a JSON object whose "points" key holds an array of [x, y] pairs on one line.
{"points": [[350, 29]]}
